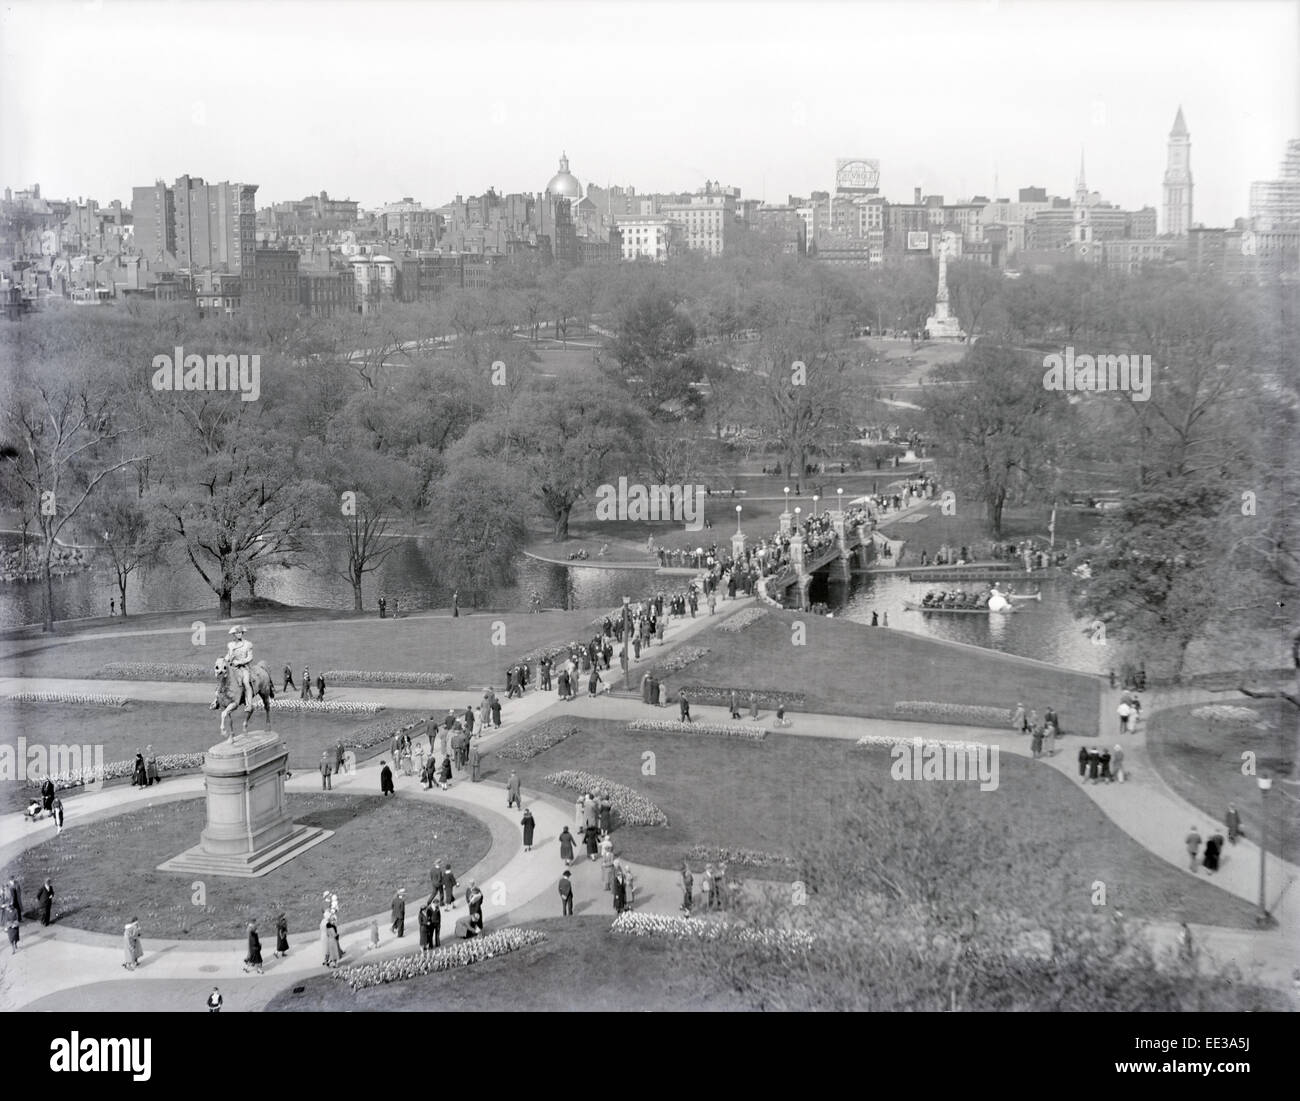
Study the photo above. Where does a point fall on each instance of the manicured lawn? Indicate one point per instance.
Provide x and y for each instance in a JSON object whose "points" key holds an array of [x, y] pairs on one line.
{"points": [[1202, 761], [105, 873], [580, 966], [784, 793], [168, 727], [845, 670], [471, 648]]}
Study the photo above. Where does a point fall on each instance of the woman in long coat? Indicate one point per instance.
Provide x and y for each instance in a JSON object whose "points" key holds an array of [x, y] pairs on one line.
{"points": [[281, 935], [620, 892], [254, 957], [333, 952], [566, 845], [444, 776], [1211, 858], [529, 825], [139, 776], [131, 944], [591, 836], [426, 934]]}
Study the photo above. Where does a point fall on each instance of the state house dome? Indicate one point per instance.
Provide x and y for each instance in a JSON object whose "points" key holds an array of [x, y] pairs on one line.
{"points": [[564, 184]]}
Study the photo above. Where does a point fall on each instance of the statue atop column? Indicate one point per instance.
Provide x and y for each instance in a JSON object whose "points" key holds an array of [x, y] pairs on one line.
{"points": [[942, 325]]}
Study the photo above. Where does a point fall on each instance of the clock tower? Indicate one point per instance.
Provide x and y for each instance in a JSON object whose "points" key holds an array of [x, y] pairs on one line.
{"points": [[1178, 180]]}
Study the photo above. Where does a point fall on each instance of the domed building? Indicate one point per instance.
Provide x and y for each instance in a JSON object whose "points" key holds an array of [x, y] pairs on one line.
{"points": [[564, 184]]}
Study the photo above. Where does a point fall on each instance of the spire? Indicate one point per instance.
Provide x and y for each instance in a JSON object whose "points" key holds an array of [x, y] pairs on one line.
{"points": [[564, 162], [1080, 183], [1180, 127]]}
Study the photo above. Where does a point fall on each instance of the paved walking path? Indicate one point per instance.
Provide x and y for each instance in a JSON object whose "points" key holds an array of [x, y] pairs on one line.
{"points": [[521, 886]]}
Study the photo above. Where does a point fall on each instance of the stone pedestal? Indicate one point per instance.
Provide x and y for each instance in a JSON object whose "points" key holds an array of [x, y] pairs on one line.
{"points": [[738, 546], [787, 522], [249, 831]]}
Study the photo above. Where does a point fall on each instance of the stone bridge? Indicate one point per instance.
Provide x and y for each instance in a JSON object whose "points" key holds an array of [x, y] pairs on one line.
{"points": [[850, 541]]}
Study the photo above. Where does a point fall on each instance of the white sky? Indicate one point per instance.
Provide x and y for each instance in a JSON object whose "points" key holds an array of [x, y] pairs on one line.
{"points": [[378, 100]]}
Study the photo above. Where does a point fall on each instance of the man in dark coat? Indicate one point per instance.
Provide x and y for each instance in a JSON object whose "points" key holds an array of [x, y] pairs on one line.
{"points": [[448, 886], [496, 711], [435, 923], [338, 757], [325, 782], [512, 790], [1233, 821], [605, 813], [47, 794], [385, 779], [398, 912], [288, 678], [45, 897], [254, 957], [475, 758], [620, 891], [14, 897], [566, 894], [320, 686], [529, 826]]}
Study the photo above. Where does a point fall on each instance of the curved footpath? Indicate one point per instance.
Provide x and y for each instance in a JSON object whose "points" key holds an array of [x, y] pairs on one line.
{"points": [[50, 973]]}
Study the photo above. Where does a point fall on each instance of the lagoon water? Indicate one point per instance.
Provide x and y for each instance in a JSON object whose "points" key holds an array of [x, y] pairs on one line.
{"points": [[409, 580]]}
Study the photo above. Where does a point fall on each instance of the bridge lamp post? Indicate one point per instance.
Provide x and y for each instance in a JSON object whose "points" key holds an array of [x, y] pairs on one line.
{"points": [[737, 519], [797, 510], [840, 494], [787, 498], [816, 498]]}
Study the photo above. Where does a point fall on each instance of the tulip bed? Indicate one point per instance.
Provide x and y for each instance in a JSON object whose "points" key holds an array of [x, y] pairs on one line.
{"points": [[637, 923], [630, 807], [326, 707], [680, 659], [537, 741], [68, 697], [717, 730], [118, 770], [461, 953], [873, 741], [741, 620], [968, 713], [708, 693], [154, 670], [383, 676], [748, 857], [1226, 713]]}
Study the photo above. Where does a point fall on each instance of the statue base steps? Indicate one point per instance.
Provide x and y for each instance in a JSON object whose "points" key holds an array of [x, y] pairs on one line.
{"points": [[247, 865]]}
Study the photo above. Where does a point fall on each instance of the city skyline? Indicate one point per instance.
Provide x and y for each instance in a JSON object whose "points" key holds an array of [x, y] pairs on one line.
{"points": [[746, 112]]}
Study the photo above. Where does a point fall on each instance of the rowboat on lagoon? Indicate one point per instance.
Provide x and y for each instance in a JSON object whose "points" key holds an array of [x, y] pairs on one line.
{"points": [[913, 606]]}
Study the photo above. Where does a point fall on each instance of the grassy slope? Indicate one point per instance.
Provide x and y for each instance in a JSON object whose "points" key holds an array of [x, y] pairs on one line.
{"points": [[844, 669], [784, 793]]}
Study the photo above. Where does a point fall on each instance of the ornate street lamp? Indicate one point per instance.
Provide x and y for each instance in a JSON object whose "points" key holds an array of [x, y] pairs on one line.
{"points": [[1263, 919], [840, 494], [787, 498], [737, 519], [816, 498]]}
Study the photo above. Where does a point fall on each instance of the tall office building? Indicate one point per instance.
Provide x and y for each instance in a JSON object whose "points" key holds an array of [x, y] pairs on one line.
{"points": [[1276, 203], [204, 226]]}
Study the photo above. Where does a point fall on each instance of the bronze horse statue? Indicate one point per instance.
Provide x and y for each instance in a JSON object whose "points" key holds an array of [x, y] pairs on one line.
{"points": [[232, 694]]}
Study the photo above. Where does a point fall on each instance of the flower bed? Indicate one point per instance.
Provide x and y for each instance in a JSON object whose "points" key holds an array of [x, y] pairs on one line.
{"points": [[969, 714], [537, 741], [638, 923], [709, 693], [680, 659], [751, 857], [154, 670], [551, 650], [1226, 713], [383, 676], [328, 707], [376, 733], [741, 620], [118, 770], [461, 953], [630, 807], [717, 730], [871, 741], [68, 697]]}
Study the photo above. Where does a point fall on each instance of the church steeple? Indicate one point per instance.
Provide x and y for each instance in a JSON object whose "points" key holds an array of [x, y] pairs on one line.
{"points": [[1180, 127]]}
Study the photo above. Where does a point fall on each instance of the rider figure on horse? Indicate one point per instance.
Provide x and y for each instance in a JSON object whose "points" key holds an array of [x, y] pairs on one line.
{"points": [[239, 654]]}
